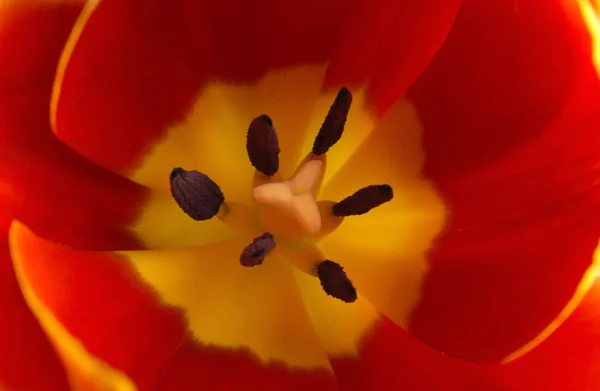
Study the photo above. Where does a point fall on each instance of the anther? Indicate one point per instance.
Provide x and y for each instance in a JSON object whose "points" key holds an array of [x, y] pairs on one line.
{"points": [[254, 254], [363, 200], [263, 146], [333, 126], [196, 194], [335, 282]]}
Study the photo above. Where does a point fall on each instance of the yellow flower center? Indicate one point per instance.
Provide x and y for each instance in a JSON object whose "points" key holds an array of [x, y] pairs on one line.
{"points": [[279, 310], [286, 209]]}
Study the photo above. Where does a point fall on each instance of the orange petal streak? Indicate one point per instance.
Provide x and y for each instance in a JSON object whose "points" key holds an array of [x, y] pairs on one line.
{"points": [[27, 362], [590, 13], [104, 319], [47, 184], [567, 360], [510, 108]]}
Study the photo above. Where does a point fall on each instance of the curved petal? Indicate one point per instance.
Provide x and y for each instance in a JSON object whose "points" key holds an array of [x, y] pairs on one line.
{"points": [[388, 43], [112, 329], [391, 359], [28, 362], [26, 59], [568, 360], [511, 142], [42, 180], [151, 60], [136, 71]]}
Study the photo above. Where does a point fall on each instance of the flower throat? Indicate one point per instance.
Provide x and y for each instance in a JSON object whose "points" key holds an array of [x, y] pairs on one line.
{"points": [[286, 210]]}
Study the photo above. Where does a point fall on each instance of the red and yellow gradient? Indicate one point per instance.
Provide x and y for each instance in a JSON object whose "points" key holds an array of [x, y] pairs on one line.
{"points": [[523, 229], [87, 192], [486, 249], [590, 11], [31, 37]]}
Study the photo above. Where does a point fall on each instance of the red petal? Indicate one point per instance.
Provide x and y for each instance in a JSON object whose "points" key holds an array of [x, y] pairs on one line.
{"points": [[202, 368], [99, 300], [510, 108], [389, 44], [568, 360], [46, 183], [392, 359], [27, 362], [136, 70]]}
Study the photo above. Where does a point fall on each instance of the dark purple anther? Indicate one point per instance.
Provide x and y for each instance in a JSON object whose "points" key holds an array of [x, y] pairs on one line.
{"points": [[333, 126], [363, 200], [196, 194], [262, 145], [335, 282], [254, 254]]}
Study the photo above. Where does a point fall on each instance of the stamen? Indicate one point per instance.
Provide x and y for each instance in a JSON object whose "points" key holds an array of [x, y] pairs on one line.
{"points": [[263, 146], [254, 254], [333, 126], [363, 200], [196, 194], [335, 282]]}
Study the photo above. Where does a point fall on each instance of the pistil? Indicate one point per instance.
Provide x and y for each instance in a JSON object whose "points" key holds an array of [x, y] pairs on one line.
{"points": [[296, 195]]}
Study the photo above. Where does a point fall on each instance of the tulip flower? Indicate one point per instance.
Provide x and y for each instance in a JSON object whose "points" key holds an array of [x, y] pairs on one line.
{"points": [[324, 195]]}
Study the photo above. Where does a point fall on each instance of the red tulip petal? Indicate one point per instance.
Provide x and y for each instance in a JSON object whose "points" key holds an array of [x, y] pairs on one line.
{"points": [[387, 45], [27, 362], [510, 108], [569, 360], [47, 184], [392, 359], [136, 71], [111, 328]]}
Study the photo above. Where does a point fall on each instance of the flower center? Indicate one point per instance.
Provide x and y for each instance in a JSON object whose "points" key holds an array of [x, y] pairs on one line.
{"points": [[286, 210]]}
